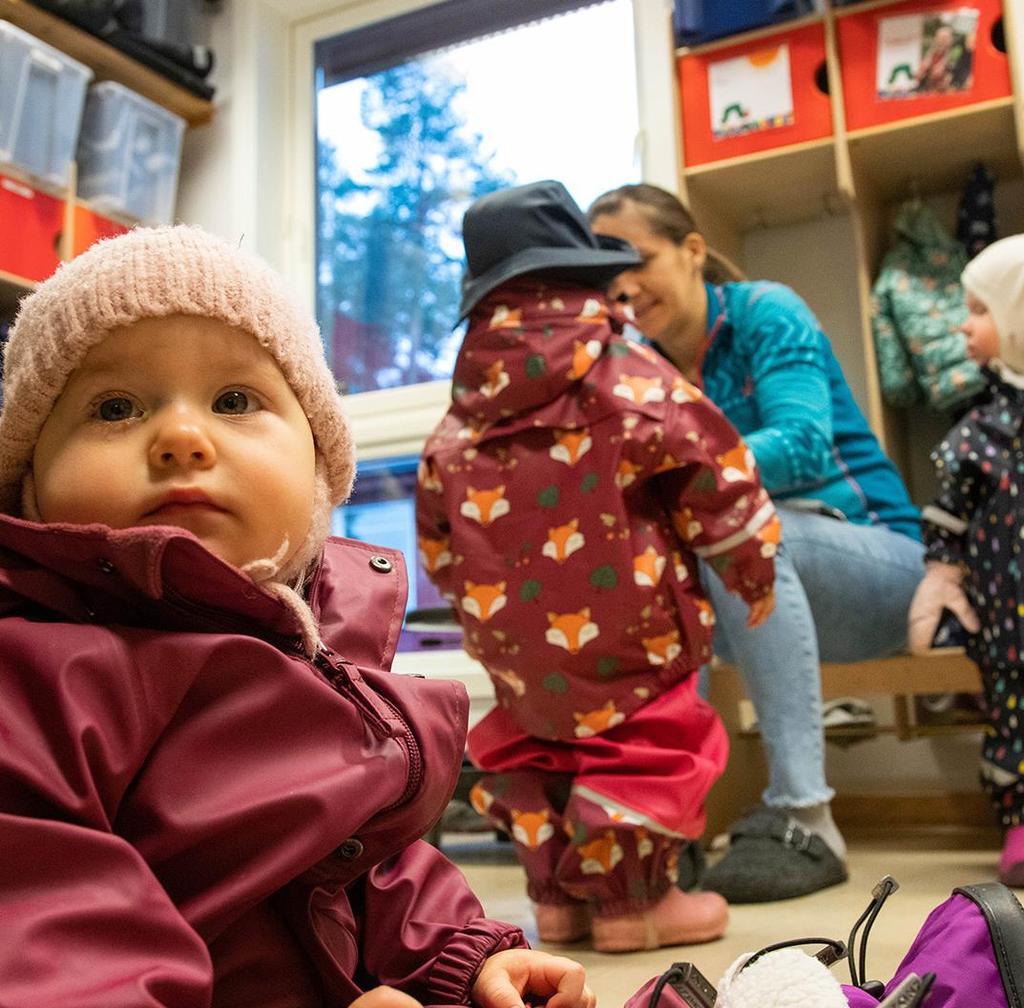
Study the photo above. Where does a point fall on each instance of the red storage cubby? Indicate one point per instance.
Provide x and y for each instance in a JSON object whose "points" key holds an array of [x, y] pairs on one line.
{"points": [[30, 229], [715, 86], [879, 81], [91, 227]]}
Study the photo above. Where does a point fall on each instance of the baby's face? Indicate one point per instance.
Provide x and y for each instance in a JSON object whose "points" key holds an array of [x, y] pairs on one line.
{"points": [[181, 421], [980, 330]]}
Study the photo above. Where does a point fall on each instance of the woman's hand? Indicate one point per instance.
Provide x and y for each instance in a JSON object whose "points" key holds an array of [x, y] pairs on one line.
{"points": [[554, 981], [761, 610], [939, 589], [385, 997]]}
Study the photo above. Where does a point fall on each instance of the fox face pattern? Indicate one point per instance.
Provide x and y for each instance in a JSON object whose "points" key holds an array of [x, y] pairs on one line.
{"points": [[661, 650], [770, 535], [434, 553], [705, 613], [531, 829], [648, 568], [639, 390], [593, 311], [426, 476], [497, 379], [514, 682], [683, 391], [686, 524], [600, 856], [625, 474], [737, 463], [480, 798], [563, 541], [506, 318], [571, 631], [583, 357], [484, 600], [485, 506], [594, 722], [571, 445]]}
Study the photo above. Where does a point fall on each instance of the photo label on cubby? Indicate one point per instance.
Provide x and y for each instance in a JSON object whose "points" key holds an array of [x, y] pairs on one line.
{"points": [[926, 53], [751, 92]]}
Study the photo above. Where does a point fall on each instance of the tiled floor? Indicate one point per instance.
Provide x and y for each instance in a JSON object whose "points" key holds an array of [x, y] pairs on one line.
{"points": [[927, 868]]}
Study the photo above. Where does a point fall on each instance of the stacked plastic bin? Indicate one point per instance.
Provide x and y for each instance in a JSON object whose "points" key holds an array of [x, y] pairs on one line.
{"points": [[41, 96], [128, 154]]}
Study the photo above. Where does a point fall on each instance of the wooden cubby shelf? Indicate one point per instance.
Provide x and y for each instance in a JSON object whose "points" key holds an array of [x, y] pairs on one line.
{"points": [[935, 153], [106, 62], [857, 177], [780, 186]]}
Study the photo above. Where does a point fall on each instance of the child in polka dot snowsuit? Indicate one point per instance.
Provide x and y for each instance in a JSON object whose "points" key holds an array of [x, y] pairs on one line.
{"points": [[973, 532]]}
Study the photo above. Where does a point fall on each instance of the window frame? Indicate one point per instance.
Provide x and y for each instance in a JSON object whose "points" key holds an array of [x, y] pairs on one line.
{"points": [[397, 421]]}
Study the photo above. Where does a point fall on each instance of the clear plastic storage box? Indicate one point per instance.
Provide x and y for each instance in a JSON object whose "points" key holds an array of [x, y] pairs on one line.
{"points": [[171, 21], [41, 95], [128, 154]]}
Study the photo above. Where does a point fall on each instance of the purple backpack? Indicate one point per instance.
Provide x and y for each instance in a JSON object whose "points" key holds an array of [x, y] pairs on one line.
{"points": [[969, 953]]}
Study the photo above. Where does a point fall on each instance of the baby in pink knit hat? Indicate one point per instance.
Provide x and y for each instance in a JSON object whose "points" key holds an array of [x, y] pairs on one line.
{"points": [[211, 787]]}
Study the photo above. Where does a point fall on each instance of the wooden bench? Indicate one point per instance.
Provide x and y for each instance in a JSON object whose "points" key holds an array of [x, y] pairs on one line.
{"points": [[902, 677]]}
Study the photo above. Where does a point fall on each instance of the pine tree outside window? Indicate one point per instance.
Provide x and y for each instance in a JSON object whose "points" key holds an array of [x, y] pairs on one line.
{"points": [[403, 149]]}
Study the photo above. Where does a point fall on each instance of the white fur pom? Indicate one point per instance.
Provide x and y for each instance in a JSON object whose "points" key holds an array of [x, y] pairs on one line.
{"points": [[788, 978]]}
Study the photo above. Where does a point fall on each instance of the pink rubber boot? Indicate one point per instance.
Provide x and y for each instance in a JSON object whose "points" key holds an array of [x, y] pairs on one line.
{"points": [[1011, 861], [561, 923], [677, 919]]}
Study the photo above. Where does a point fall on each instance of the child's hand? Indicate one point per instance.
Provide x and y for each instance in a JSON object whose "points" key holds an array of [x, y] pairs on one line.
{"points": [[939, 589], [761, 610], [385, 997], [555, 982]]}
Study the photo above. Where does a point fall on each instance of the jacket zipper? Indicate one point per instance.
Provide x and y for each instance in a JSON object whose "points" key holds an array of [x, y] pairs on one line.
{"points": [[334, 666]]}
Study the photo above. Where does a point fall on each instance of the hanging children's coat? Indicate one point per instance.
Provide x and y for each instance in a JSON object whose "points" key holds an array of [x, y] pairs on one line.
{"points": [[917, 310]]}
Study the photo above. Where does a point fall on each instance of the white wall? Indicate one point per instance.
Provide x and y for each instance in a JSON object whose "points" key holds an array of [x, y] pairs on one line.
{"points": [[233, 169]]}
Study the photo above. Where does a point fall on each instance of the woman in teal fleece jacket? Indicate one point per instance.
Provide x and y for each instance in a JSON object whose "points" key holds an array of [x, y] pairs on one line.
{"points": [[850, 557]]}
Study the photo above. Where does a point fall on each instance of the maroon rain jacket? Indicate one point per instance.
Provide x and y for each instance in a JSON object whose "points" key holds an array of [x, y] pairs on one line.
{"points": [[563, 502], [191, 812]]}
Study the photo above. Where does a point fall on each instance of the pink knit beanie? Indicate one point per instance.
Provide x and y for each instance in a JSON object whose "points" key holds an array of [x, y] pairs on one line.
{"points": [[150, 273]]}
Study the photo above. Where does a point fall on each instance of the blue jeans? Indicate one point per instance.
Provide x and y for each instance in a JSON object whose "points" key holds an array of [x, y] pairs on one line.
{"points": [[842, 592]]}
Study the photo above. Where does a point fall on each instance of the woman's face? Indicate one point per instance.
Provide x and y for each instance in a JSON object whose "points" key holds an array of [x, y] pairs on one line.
{"points": [[667, 291]]}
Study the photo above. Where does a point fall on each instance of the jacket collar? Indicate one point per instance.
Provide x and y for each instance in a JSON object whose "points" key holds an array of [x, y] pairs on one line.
{"points": [[165, 578], [528, 343]]}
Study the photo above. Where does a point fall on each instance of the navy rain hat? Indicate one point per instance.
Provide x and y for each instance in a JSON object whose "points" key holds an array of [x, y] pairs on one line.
{"points": [[535, 228]]}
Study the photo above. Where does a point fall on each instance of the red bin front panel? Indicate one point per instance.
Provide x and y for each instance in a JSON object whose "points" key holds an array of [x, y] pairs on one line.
{"points": [[754, 96]]}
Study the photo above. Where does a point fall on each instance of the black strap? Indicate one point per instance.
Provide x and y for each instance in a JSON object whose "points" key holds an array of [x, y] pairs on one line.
{"points": [[789, 834], [1005, 919]]}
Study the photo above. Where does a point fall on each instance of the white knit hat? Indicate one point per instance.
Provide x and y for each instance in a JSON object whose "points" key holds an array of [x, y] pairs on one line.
{"points": [[151, 273], [996, 277]]}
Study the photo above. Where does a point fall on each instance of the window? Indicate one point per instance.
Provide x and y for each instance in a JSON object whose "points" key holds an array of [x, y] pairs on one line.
{"points": [[402, 149], [382, 510], [571, 132]]}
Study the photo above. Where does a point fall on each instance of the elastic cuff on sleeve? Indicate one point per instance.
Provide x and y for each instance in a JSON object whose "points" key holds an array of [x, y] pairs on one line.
{"points": [[457, 966]]}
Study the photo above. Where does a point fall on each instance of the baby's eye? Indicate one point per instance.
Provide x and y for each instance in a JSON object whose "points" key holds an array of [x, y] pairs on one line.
{"points": [[234, 401], [116, 408]]}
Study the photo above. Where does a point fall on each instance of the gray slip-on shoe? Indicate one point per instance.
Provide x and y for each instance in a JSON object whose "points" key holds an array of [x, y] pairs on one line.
{"points": [[772, 857]]}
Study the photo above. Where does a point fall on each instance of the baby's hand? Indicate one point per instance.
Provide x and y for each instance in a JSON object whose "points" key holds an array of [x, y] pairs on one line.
{"points": [[761, 610], [385, 997], [554, 981]]}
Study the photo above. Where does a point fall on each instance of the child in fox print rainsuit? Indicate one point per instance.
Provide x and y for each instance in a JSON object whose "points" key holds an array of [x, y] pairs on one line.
{"points": [[562, 504]]}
